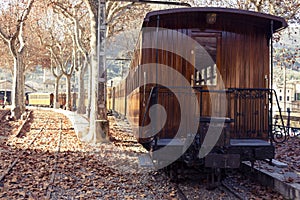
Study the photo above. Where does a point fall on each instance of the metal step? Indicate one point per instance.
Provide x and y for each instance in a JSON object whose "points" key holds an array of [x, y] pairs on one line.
{"points": [[279, 164], [145, 161], [171, 142], [248, 142]]}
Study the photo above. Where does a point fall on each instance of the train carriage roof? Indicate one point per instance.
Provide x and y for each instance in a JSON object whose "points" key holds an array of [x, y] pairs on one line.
{"points": [[185, 17], [6, 85]]}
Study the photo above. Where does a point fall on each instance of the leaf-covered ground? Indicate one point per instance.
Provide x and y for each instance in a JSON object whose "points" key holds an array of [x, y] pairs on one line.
{"points": [[58, 166], [289, 152], [68, 169]]}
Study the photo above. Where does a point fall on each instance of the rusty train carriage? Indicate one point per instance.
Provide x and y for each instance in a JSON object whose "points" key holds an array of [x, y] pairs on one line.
{"points": [[238, 44]]}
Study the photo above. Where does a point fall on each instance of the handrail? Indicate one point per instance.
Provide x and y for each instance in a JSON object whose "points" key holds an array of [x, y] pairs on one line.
{"points": [[279, 108], [277, 132], [277, 135], [290, 130], [147, 106]]}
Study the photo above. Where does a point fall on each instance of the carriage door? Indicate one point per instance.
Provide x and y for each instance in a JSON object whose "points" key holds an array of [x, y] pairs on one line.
{"points": [[205, 54], [206, 57]]}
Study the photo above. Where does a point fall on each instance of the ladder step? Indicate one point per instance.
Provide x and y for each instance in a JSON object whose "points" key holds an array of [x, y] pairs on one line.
{"points": [[279, 164], [145, 161]]}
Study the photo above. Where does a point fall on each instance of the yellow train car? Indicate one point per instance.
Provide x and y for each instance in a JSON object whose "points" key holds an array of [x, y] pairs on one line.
{"points": [[40, 99]]}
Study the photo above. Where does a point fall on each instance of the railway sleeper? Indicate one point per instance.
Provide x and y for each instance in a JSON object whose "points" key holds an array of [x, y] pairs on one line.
{"points": [[214, 178], [217, 163]]}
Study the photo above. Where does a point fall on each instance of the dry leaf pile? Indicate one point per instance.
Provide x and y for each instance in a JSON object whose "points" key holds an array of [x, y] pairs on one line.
{"points": [[77, 170], [7, 154], [58, 166], [289, 153]]}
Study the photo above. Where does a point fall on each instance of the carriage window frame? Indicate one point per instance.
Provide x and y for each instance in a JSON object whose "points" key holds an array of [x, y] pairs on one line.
{"points": [[207, 76]]}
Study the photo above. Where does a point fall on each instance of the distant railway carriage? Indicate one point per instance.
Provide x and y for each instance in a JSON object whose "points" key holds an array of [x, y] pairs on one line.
{"points": [[224, 57], [120, 97], [5, 97], [47, 100], [62, 99], [40, 99], [6, 92]]}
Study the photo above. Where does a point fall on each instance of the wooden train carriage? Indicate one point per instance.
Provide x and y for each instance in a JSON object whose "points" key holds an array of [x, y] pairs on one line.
{"points": [[40, 99], [226, 62], [62, 100], [47, 99], [120, 98]]}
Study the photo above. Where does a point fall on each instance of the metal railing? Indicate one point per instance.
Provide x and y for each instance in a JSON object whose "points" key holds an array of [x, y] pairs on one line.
{"points": [[292, 119], [249, 109]]}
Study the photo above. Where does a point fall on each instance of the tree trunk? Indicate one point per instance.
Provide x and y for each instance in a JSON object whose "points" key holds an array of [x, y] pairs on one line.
{"points": [[18, 94], [21, 89], [88, 107], [68, 91], [55, 99], [98, 126], [81, 91], [92, 135], [15, 107], [16, 45]]}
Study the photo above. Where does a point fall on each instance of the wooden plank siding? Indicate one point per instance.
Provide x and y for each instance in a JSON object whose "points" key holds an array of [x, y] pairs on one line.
{"points": [[246, 60], [239, 71], [241, 56], [120, 96]]}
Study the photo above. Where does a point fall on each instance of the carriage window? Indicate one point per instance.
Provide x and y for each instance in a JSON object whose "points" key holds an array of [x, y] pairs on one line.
{"points": [[209, 75], [297, 96], [205, 55]]}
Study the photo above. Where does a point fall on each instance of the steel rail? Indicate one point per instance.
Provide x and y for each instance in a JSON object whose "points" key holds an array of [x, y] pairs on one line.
{"points": [[6, 172]]}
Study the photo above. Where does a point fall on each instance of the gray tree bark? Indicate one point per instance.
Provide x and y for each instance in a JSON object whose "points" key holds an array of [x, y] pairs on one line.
{"points": [[81, 92], [16, 45], [57, 76]]}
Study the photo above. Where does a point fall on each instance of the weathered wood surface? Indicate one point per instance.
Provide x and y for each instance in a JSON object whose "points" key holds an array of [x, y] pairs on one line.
{"points": [[237, 43]]}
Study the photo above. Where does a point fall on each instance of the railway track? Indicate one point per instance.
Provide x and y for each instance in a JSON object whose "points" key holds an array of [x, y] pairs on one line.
{"points": [[57, 166], [223, 191], [187, 189], [38, 130], [230, 189], [3, 113], [180, 193], [234, 186], [49, 188], [15, 161]]}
